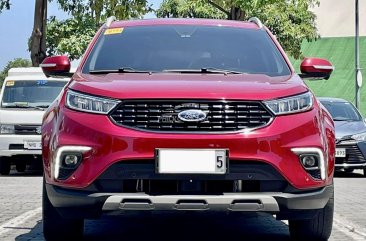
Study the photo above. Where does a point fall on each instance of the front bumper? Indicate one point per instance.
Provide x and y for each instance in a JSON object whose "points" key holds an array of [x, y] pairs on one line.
{"points": [[11, 145], [111, 144], [355, 155], [74, 203]]}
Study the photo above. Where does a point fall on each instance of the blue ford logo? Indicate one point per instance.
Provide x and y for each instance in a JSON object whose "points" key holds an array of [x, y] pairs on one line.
{"points": [[192, 115]]}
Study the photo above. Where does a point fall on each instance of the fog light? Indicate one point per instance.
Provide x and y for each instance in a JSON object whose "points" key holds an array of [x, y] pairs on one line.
{"points": [[312, 160], [309, 161], [67, 160], [71, 160]]}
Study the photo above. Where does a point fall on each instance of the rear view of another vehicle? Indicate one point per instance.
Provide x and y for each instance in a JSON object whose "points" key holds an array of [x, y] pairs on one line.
{"points": [[350, 133], [25, 95]]}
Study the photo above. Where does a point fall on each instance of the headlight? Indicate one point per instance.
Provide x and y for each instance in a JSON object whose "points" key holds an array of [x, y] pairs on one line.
{"points": [[7, 129], [359, 137], [89, 103], [289, 105]]}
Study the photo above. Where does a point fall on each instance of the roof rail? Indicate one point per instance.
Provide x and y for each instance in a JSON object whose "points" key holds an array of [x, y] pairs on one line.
{"points": [[256, 21], [109, 21]]}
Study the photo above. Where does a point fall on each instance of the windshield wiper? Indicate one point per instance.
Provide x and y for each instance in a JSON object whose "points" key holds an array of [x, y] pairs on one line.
{"points": [[342, 119], [15, 105], [206, 70], [41, 106], [120, 70]]}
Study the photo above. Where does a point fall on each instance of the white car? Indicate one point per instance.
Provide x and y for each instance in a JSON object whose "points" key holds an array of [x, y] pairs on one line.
{"points": [[25, 95]]}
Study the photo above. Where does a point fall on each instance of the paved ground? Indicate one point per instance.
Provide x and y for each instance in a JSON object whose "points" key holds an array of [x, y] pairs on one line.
{"points": [[21, 219]]}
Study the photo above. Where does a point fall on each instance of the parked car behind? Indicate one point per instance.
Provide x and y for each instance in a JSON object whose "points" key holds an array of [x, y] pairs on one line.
{"points": [[350, 129], [25, 95], [187, 115]]}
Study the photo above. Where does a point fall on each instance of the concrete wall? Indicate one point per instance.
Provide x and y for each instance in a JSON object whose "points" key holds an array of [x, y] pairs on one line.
{"points": [[336, 18]]}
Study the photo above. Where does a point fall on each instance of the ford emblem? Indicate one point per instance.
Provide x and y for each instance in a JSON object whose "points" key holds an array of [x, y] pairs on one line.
{"points": [[38, 130], [192, 115]]}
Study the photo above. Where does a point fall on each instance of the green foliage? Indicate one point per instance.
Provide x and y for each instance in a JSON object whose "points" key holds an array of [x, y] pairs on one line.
{"points": [[100, 10], [340, 51], [72, 36], [188, 9], [69, 36], [291, 21], [18, 62], [4, 4]]}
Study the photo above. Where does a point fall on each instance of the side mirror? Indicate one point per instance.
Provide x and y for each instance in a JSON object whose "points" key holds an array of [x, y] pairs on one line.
{"points": [[56, 66], [316, 69]]}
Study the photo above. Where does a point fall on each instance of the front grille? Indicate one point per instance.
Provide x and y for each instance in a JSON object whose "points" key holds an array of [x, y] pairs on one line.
{"points": [[140, 175], [162, 115], [16, 146], [27, 129], [315, 174], [65, 173], [353, 153]]}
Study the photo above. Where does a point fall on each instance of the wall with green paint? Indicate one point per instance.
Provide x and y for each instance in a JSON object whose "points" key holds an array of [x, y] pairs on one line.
{"points": [[341, 52]]}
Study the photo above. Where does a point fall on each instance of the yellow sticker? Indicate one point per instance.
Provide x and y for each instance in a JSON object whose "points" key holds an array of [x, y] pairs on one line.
{"points": [[10, 83], [111, 31]]}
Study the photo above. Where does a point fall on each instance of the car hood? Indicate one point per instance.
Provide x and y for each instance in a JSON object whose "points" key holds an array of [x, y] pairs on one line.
{"points": [[21, 116], [188, 86], [347, 128]]}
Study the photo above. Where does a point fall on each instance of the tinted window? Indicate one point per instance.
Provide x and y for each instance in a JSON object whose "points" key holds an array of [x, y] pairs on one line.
{"points": [[342, 111], [32, 93], [159, 48]]}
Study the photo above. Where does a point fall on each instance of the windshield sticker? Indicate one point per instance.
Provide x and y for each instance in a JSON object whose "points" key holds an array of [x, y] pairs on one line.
{"points": [[10, 83], [42, 82], [113, 31]]}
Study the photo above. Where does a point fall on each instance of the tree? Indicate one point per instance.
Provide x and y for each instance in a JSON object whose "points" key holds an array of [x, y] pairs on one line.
{"points": [[100, 10], [69, 37], [72, 36], [38, 38], [18, 62], [189, 9], [291, 21], [4, 4]]}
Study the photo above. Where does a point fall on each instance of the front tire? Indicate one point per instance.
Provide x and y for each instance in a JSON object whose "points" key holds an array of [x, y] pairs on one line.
{"points": [[57, 228], [318, 228], [4, 166]]}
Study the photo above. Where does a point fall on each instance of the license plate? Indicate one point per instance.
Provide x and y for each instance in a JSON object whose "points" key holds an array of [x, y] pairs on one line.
{"points": [[340, 152], [33, 145], [191, 161]]}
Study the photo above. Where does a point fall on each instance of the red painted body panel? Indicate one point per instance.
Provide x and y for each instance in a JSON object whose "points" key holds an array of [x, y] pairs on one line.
{"points": [[188, 86], [184, 21], [311, 65], [111, 143]]}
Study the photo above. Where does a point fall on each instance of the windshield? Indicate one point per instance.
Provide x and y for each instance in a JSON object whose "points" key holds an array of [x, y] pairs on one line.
{"points": [[342, 111], [186, 49], [31, 93]]}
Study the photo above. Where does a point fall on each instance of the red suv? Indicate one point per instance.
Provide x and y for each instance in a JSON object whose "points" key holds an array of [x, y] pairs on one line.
{"points": [[187, 114]]}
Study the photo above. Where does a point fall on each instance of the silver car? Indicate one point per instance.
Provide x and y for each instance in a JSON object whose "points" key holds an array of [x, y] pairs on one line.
{"points": [[350, 134]]}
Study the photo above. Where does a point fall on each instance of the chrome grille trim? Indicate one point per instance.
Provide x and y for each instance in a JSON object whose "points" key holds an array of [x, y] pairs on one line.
{"points": [[222, 116], [353, 153], [26, 129]]}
